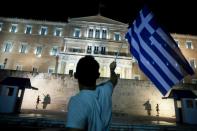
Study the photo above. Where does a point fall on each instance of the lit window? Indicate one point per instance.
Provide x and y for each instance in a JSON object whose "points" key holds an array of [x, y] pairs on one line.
{"points": [[90, 33], [58, 32], [19, 67], [54, 51], [13, 28], [77, 32], [38, 51], [189, 45], [192, 63], [1, 26], [43, 30], [104, 34], [7, 47], [177, 42], [117, 36], [89, 50], [28, 29], [20, 93], [23, 48], [97, 33]]}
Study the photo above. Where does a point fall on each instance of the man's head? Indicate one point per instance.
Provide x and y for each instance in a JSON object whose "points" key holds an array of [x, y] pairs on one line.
{"points": [[87, 71]]}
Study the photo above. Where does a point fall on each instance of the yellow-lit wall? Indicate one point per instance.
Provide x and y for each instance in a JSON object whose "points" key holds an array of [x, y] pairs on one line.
{"points": [[128, 97]]}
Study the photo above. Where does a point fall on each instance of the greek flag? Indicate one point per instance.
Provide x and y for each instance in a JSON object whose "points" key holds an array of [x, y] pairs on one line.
{"points": [[157, 53]]}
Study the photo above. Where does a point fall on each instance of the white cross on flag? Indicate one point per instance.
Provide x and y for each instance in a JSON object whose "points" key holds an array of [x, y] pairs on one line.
{"points": [[157, 53]]}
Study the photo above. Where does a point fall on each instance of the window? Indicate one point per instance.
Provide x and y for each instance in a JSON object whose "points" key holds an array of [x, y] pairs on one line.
{"points": [[75, 49], [117, 36], [19, 67], [192, 63], [38, 51], [43, 30], [35, 69], [96, 49], [104, 34], [97, 34], [23, 48], [90, 33], [77, 33], [7, 47], [136, 77], [58, 32], [189, 45], [1, 66], [19, 92], [70, 73], [10, 91], [194, 81], [179, 104], [89, 50], [190, 104], [177, 42], [103, 50], [28, 29], [13, 28], [54, 51], [51, 70], [1, 26], [196, 104]]}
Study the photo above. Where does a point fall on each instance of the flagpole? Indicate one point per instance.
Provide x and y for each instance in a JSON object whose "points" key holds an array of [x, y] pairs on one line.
{"points": [[118, 51]]}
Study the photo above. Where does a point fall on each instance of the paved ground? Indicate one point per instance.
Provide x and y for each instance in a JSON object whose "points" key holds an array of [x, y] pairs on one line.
{"points": [[47, 120], [116, 118]]}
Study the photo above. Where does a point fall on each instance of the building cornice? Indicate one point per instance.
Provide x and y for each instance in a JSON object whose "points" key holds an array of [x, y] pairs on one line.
{"points": [[183, 36], [31, 21]]}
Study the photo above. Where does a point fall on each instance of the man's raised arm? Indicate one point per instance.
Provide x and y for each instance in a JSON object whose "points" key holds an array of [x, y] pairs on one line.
{"points": [[113, 75]]}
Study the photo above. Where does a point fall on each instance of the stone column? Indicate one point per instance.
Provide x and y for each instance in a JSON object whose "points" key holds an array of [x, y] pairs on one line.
{"points": [[56, 64]]}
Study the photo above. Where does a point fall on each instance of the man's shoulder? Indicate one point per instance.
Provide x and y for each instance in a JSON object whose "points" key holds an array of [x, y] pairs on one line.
{"points": [[105, 86], [106, 83]]}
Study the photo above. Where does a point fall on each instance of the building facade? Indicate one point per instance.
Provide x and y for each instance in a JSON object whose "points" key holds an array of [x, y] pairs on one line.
{"points": [[56, 47]]}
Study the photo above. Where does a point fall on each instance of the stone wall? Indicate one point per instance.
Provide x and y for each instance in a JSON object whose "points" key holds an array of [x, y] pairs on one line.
{"points": [[129, 97]]}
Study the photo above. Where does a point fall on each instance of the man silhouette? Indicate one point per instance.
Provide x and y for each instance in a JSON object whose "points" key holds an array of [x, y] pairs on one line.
{"points": [[91, 108]]}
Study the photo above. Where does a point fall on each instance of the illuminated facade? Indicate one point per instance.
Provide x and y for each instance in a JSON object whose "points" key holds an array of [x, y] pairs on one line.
{"points": [[56, 47]]}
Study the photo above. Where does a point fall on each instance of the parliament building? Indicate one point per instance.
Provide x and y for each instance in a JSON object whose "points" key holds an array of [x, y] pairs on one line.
{"points": [[56, 47]]}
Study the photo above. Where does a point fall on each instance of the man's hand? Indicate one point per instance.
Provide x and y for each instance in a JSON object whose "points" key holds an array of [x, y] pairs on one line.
{"points": [[113, 75], [113, 66]]}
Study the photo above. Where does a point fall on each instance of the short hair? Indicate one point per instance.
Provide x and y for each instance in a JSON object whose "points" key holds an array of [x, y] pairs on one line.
{"points": [[87, 71]]}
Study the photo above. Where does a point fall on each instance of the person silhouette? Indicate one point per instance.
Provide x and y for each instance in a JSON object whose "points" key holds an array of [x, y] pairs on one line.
{"points": [[46, 101], [37, 101], [148, 107], [157, 109]]}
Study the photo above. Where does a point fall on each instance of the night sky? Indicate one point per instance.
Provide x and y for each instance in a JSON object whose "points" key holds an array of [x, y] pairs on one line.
{"points": [[177, 16]]}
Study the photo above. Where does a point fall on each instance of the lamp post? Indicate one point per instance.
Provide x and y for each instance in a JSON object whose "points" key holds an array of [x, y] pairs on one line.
{"points": [[5, 62]]}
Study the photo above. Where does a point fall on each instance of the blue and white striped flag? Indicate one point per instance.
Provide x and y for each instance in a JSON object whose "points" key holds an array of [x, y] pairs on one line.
{"points": [[157, 53]]}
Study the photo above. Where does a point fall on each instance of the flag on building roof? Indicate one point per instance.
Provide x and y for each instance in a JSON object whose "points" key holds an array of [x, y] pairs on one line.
{"points": [[158, 55]]}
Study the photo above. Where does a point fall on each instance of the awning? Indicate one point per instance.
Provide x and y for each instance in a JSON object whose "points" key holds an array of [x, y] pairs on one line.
{"points": [[181, 93], [22, 83]]}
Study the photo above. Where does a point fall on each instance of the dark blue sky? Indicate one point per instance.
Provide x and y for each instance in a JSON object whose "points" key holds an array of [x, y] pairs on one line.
{"points": [[177, 16]]}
